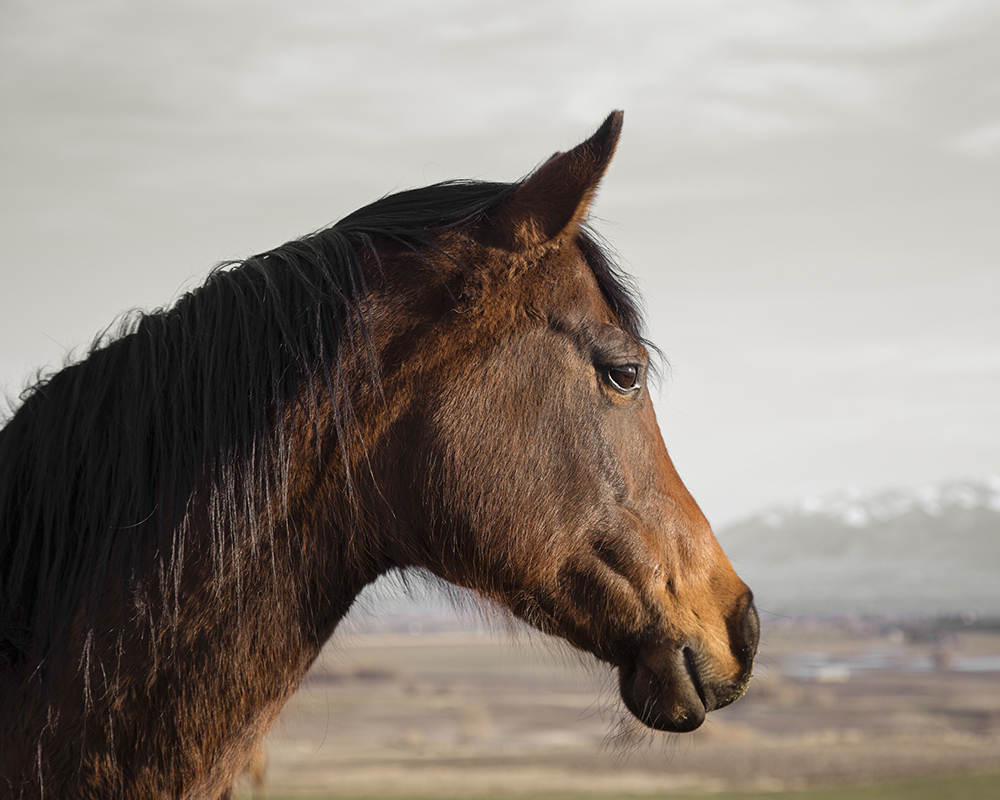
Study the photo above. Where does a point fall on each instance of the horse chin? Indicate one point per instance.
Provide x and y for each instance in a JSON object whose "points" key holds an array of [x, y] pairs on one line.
{"points": [[663, 691]]}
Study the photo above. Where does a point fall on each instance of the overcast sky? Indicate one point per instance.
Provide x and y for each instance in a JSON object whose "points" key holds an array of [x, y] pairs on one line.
{"points": [[808, 193]]}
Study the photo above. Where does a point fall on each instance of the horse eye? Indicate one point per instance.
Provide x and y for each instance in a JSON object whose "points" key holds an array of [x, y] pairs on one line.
{"points": [[624, 377]]}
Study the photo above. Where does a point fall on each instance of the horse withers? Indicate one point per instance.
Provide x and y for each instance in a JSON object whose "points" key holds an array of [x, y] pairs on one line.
{"points": [[452, 378]]}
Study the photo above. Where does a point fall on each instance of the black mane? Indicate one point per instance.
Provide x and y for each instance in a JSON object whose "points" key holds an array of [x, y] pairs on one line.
{"points": [[99, 462]]}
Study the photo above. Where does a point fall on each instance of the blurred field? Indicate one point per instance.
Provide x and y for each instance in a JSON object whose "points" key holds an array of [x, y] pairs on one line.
{"points": [[460, 714], [951, 787]]}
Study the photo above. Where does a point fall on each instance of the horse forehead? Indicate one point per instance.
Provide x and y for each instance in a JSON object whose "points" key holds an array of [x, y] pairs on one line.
{"points": [[563, 282]]}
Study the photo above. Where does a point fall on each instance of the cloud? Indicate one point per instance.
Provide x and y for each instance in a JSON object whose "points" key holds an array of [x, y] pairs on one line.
{"points": [[717, 72], [981, 142]]}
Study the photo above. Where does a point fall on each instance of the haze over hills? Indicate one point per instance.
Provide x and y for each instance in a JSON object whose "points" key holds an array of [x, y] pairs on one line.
{"points": [[934, 549], [930, 550]]}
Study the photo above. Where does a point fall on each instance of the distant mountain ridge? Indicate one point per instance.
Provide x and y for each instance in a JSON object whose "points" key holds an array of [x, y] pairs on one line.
{"points": [[857, 509], [933, 549]]}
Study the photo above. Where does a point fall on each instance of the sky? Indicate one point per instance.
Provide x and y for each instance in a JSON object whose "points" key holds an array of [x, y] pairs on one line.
{"points": [[807, 193]]}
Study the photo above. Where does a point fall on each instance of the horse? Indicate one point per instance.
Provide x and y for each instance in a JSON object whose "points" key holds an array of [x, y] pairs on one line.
{"points": [[452, 379]]}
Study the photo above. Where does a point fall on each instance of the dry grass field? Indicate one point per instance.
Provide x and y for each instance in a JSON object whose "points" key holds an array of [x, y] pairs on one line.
{"points": [[465, 714]]}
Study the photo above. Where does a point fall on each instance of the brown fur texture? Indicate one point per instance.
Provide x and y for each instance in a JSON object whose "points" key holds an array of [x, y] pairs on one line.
{"points": [[469, 426]]}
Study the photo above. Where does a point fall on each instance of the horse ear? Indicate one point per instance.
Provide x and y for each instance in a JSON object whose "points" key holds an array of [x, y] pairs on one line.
{"points": [[554, 200]]}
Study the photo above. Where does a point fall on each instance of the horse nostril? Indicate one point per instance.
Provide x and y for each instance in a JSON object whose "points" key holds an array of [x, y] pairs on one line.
{"points": [[750, 628]]}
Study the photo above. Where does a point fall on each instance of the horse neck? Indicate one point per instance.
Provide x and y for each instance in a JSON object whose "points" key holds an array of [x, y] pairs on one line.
{"points": [[248, 634], [216, 653]]}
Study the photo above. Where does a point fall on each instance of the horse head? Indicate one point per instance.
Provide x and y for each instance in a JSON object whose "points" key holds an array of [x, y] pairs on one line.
{"points": [[534, 471]]}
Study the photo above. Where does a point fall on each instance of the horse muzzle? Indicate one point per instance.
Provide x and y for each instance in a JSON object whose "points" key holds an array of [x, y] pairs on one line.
{"points": [[671, 687]]}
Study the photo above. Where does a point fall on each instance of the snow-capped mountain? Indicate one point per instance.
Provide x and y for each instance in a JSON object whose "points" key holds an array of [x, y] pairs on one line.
{"points": [[930, 549]]}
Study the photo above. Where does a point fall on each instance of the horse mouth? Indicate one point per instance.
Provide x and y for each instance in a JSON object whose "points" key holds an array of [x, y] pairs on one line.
{"points": [[691, 665], [665, 691]]}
